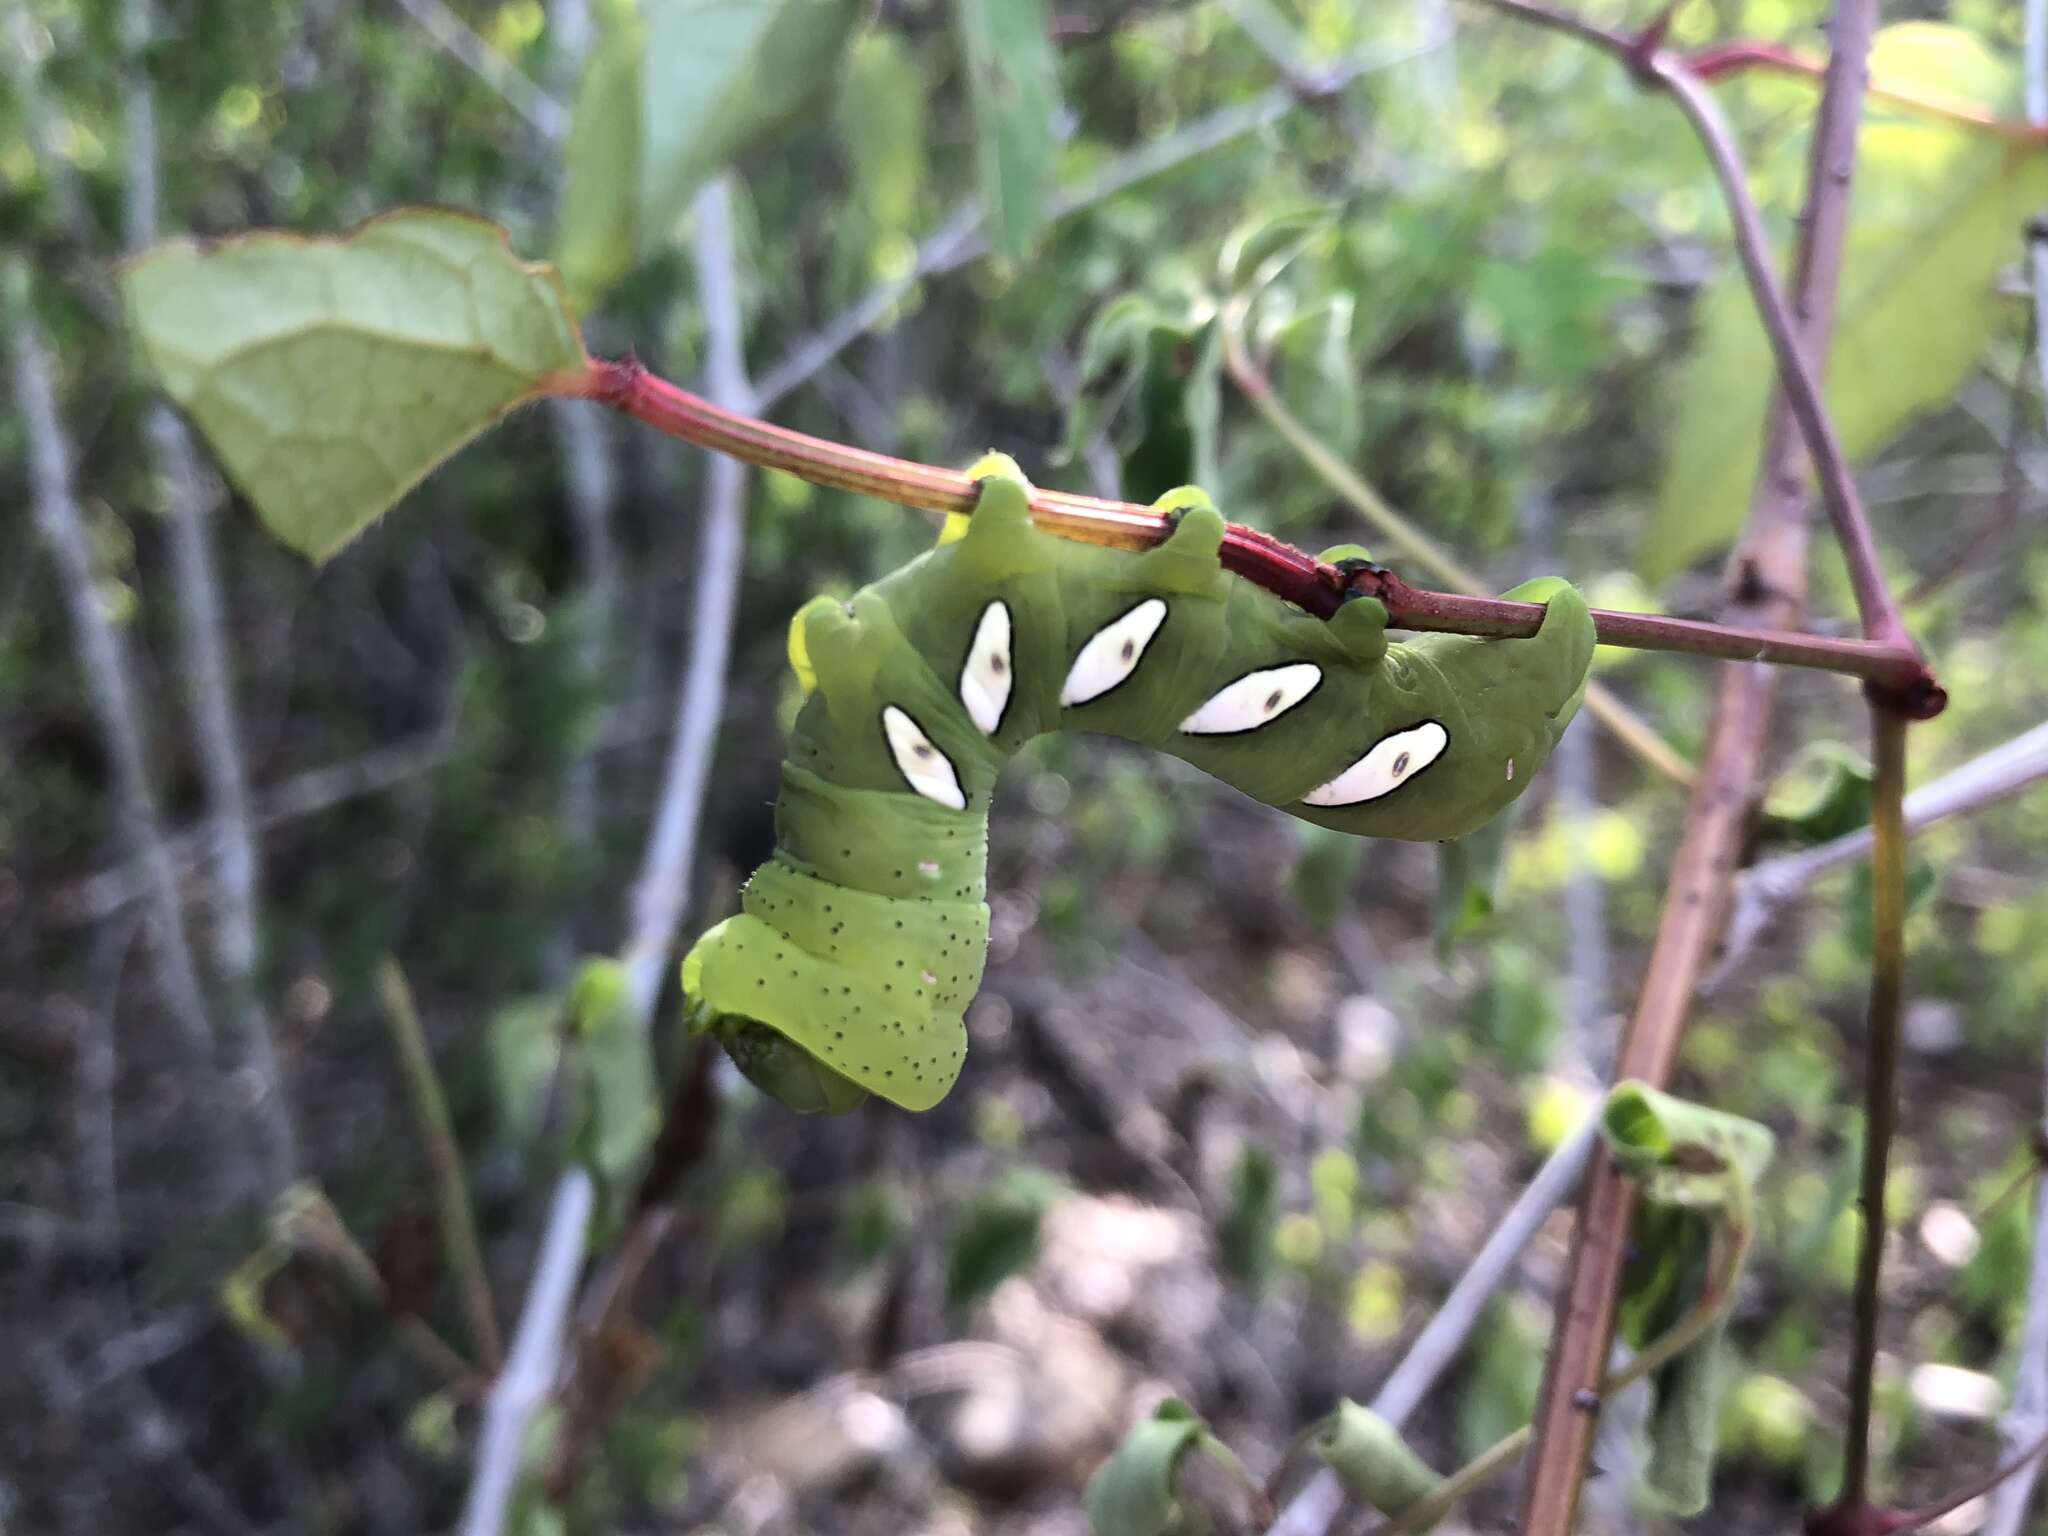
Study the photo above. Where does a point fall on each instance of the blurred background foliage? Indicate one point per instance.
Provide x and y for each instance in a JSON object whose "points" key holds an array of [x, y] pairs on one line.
{"points": [[1243, 1097]]}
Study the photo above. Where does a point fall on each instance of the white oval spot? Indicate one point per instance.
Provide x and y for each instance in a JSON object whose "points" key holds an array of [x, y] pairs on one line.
{"points": [[1113, 652], [922, 765], [986, 679], [1254, 700], [1393, 761]]}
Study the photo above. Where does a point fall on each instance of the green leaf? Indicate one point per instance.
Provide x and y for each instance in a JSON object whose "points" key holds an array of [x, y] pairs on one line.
{"points": [[1372, 1461], [613, 1060], [1685, 1154], [1518, 1007], [1507, 1373], [1939, 210], [1325, 870], [1698, 1169], [1824, 795], [1256, 248], [1154, 365], [611, 1068], [1468, 871], [997, 1234], [524, 1045], [331, 375], [1014, 85], [881, 117], [1315, 374], [1131, 1494], [716, 76], [1244, 1238], [598, 230]]}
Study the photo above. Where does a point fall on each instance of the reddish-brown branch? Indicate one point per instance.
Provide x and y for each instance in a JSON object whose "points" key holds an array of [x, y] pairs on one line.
{"points": [[1722, 60], [1258, 557], [1799, 380], [1768, 584]]}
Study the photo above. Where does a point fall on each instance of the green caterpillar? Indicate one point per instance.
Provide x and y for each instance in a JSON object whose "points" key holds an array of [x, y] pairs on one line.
{"points": [[861, 942]]}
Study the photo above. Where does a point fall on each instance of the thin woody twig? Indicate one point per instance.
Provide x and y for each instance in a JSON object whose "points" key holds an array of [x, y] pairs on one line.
{"points": [[457, 1217], [1722, 60], [1887, 974], [2026, 1419], [1767, 583], [529, 1374], [106, 892], [1280, 568], [660, 895], [112, 696]]}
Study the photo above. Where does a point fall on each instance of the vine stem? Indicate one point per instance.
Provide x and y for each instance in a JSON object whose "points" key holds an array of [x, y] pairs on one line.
{"points": [[1887, 968], [455, 1215], [1280, 568], [1658, 68]]}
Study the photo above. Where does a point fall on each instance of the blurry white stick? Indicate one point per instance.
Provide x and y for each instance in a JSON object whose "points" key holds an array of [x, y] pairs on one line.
{"points": [[107, 671], [205, 671], [2027, 1418], [660, 896], [545, 115], [1315, 1509], [1766, 889], [529, 1375]]}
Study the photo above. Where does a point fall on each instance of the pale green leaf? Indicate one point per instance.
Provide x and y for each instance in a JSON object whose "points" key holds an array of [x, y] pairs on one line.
{"points": [[997, 1234], [1938, 211], [597, 233], [1132, 1494], [716, 75], [1013, 81], [1375, 1465], [614, 1061], [1698, 1169], [1686, 1154], [1468, 874], [523, 1045], [331, 375], [881, 116]]}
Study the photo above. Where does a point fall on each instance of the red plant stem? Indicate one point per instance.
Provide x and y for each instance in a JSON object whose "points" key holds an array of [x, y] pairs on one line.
{"points": [[1278, 567], [1722, 60]]}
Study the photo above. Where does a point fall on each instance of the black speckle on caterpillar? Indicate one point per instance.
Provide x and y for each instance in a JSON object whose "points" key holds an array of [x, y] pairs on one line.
{"points": [[919, 686]]}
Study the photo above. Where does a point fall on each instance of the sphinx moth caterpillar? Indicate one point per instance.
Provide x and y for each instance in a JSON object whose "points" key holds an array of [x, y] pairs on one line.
{"points": [[860, 943]]}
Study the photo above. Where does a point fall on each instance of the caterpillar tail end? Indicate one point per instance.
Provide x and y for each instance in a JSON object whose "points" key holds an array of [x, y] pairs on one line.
{"points": [[765, 1056]]}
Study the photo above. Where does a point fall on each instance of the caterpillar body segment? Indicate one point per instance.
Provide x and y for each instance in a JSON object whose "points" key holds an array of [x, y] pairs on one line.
{"points": [[861, 942]]}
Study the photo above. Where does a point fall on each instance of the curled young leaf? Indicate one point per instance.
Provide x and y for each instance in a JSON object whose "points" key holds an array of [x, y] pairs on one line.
{"points": [[1376, 1466]]}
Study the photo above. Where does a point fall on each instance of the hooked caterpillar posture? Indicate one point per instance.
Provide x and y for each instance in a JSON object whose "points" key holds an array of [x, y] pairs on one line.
{"points": [[860, 943]]}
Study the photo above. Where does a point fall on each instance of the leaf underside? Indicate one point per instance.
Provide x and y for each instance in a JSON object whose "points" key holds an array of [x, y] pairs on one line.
{"points": [[331, 375]]}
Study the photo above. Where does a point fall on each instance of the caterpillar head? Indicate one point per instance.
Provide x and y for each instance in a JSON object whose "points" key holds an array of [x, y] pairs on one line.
{"points": [[778, 1066]]}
